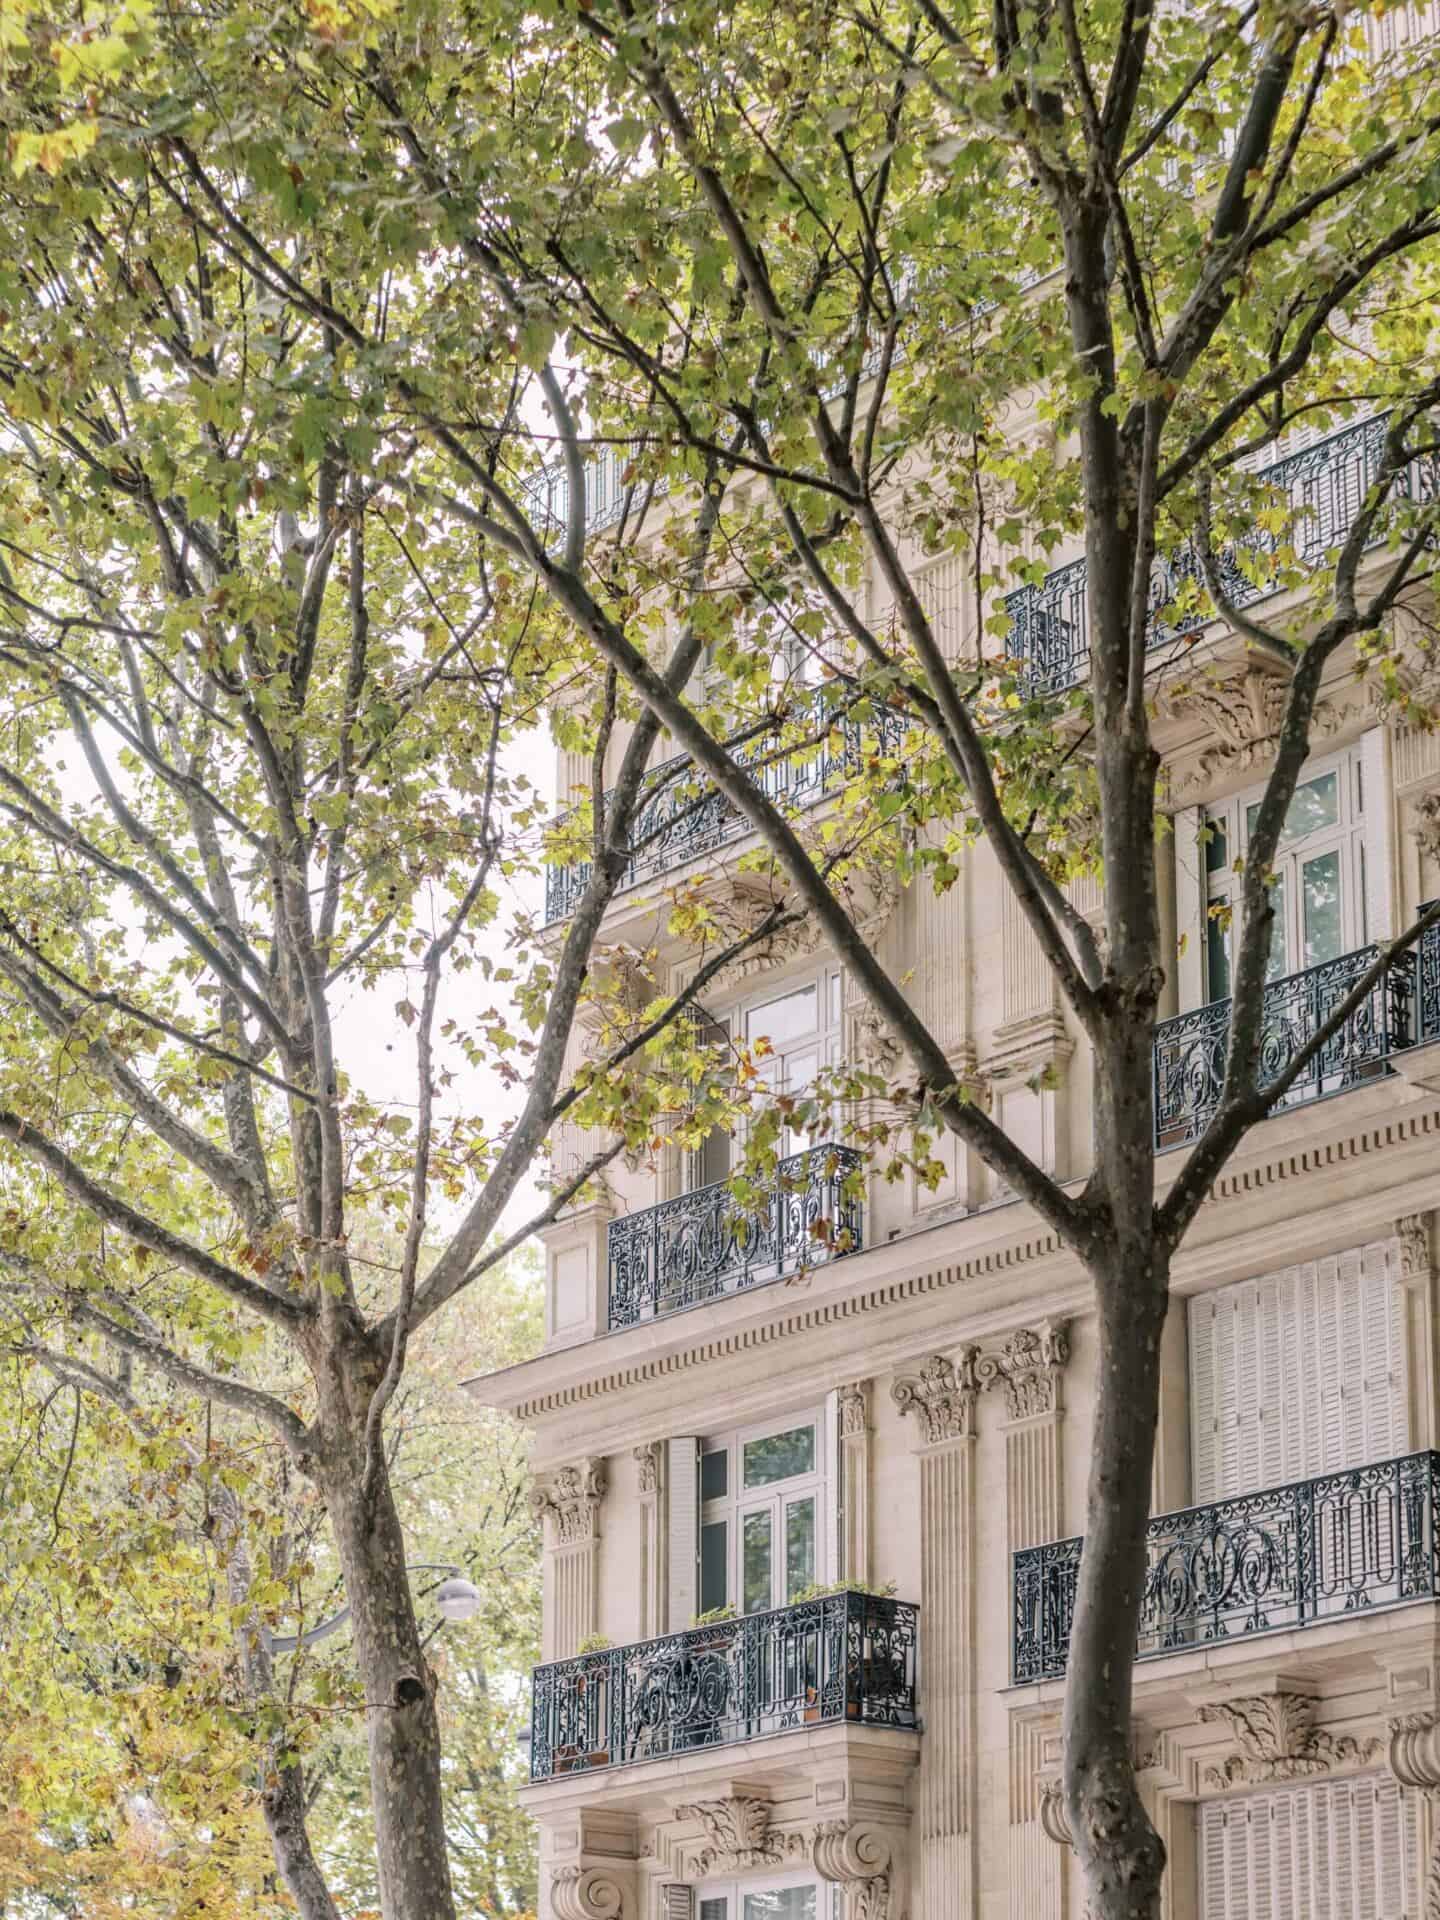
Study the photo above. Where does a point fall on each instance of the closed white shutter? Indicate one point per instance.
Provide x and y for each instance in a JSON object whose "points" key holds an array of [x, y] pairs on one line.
{"points": [[1296, 1373], [1331, 1850], [683, 1483], [677, 1903]]}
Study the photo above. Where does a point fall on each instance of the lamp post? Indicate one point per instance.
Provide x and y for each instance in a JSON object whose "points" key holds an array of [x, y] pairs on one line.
{"points": [[456, 1599]]}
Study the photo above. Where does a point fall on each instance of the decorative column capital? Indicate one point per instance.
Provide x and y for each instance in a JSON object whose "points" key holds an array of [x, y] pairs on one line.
{"points": [[857, 1858], [1030, 1366], [648, 1459], [1413, 1234], [568, 1501], [586, 1893], [854, 1400], [941, 1395]]}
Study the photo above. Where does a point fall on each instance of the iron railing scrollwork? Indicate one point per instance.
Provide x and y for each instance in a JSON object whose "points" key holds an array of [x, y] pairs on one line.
{"points": [[840, 1657], [1324, 484], [1189, 1051], [1427, 981], [1344, 1543], [699, 1245], [680, 816]]}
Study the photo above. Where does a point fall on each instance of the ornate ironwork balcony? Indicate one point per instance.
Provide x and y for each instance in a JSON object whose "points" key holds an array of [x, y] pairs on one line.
{"points": [[843, 1657], [701, 1244], [1190, 1050], [681, 816], [1324, 1549], [1324, 485]]}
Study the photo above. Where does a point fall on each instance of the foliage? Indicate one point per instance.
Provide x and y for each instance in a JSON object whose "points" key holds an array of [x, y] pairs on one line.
{"points": [[296, 310]]}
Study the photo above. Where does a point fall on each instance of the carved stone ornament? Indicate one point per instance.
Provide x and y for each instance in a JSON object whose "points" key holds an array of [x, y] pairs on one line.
{"points": [[1278, 1740], [569, 1500], [1029, 1366], [874, 1042], [586, 1893], [1414, 1757], [1427, 823], [1054, 1820], [737, 1834], [856, 1858], [1242, 713], [648, 1460], [854, 1401], [941, 1395], [1413, 1234]]}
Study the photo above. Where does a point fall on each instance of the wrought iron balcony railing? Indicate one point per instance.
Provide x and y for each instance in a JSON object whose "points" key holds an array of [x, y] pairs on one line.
{"points": [[681, 816], [1324, 1549], [1324, 486], [1190, 1049], [843, 1657], [700, 1245]]}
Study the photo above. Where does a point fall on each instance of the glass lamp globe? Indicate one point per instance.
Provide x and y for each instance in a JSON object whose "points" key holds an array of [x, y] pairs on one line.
{"points": [[457, 1599]]}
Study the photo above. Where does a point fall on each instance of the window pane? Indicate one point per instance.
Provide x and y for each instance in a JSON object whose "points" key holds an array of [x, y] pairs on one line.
{"points": [[787, 1903], [799, 1546], [1320, 891], [757, 1562], [788, 1017], [711, 1162], [1217, 959], [714, 1909], [1314, 804], [779, 1456], [1279, 961], [714, 1565], [1217, 845], [715, 1474]]}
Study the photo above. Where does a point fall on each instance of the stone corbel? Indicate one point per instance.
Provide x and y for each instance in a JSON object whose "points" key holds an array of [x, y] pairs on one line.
{"points": [[586, 1893], [1030, 1367], [1053, 1816], [1414, 1756], [860, 1860], [941, 1396]]}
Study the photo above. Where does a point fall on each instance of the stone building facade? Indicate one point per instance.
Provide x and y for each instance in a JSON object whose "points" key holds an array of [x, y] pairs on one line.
{"points": [[721, 1427]]}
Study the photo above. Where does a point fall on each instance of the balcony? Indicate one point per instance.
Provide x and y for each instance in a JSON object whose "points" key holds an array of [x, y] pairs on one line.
{"points": [[843, 1657], [1189, 1051], [700, 1245], [1324, 486], [681, 816], [1321, 1550]]}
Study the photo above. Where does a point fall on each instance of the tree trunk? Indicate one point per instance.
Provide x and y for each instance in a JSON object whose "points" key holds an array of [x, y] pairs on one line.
{"points": [[1121, 1856], [284, 1806], [403, 1728]]}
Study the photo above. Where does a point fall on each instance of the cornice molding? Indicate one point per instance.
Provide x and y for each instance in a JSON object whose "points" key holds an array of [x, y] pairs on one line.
{"points": [[1030, 1244]]}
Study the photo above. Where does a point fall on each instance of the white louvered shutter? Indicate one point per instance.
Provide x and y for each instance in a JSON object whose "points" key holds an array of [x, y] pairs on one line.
{"points": [[683, 1482], [1329, 1850], [1296, 1373], [677, 1902], [830, 1488]]}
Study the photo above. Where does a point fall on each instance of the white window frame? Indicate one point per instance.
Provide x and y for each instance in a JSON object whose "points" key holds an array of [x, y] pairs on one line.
{"points": [[733, 1892], [1347, 837], [819, 1485]]}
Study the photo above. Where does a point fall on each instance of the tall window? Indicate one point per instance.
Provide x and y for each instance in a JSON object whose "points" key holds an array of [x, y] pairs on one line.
{"points": [[1319, 885], [799, 1025], [732, 1901], [760, 1514]]}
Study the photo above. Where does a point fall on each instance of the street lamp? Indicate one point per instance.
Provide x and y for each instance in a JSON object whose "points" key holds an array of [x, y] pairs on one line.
{"points": [[456, 1599]]}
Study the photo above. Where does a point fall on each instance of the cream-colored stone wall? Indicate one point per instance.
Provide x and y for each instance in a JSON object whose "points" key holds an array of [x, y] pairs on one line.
{"points": [[961, 1342]]}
